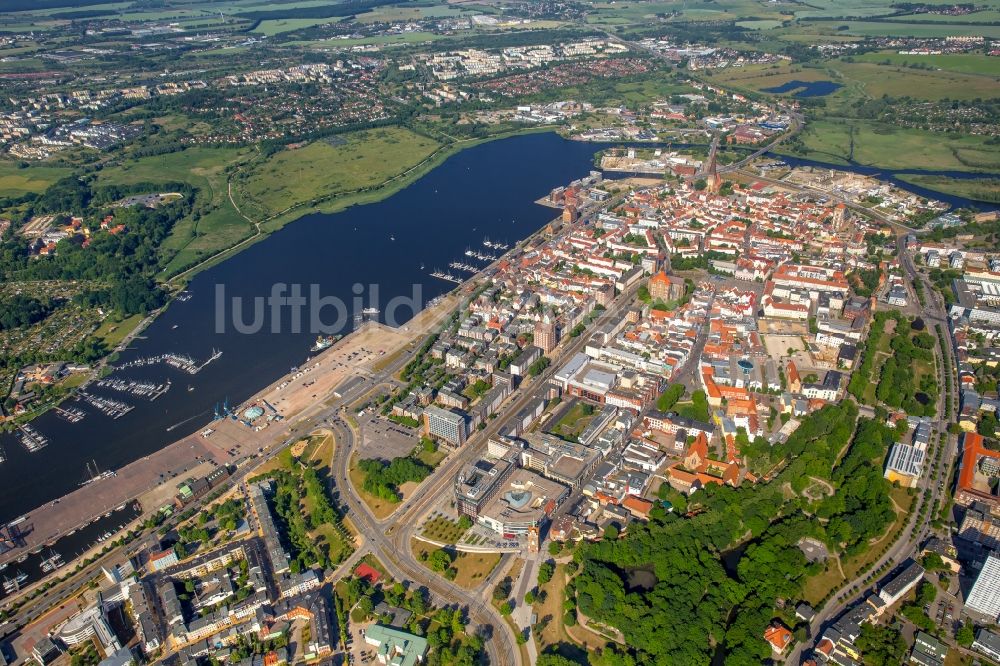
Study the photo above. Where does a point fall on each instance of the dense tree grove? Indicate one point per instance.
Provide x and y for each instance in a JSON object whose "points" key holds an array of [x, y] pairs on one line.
{"points": [[303, 486], [697, 605], [861, 508], [383, 479], [121, 264], [21, 310], [895, 378]]}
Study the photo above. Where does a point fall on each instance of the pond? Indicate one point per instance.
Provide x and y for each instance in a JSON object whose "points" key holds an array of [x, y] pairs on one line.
{"points": [[805, 88]]}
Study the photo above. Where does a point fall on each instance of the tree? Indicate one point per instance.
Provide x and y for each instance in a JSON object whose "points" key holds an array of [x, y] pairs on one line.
{"points": [[545, 572], [553, 659], [965, 635], [440, 560], [881, 646], [529, 597], [506, 608], [555, 547]]}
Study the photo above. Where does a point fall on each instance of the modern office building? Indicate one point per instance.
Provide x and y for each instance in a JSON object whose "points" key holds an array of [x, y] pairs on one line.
{"points": [[985, 595], [477, 483], [446, 424]]}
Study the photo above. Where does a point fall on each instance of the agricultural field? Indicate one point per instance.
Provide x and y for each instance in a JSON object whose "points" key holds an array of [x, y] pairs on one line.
{"points": [[961, 63], [325, 168], [887, 29], [876, 80]]}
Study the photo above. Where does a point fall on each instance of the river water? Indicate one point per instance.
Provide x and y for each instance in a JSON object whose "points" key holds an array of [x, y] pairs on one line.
{"points": [[485, 191]]}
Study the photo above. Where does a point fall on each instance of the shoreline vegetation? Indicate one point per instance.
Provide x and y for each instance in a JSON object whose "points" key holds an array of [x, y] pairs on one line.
{"points": [[334, 201], [329, 203]]}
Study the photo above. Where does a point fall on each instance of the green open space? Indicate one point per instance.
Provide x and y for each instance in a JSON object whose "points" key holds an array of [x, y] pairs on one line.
{"points": [[271, 27], [16, 181], [443, 530], [215, 224], [876, 80], [380, 508], [891, 29], [470, 569], [979, 189], [375, 40], [819, 586], [574, 421], [114, 330], [963, 63], [878, 144], [325, 168]]}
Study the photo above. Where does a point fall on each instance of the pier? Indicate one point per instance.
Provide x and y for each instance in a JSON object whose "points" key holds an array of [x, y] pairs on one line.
{"points": [[31, 439], [136, 388], [463, 267], [182, 362], [447, 276], [113, 408], [71, 414]]}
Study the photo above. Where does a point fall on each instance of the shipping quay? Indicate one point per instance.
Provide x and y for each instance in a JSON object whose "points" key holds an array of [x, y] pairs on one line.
{"points": [[153, 480]]}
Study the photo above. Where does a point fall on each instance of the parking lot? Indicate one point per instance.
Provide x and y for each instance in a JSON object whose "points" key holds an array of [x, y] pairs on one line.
{"points": [[385, 439]]}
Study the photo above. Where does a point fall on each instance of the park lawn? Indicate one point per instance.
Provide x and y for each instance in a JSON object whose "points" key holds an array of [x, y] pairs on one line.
{"points": [[74, 380], [906, 502], [574, 421], [980, 189], [818, 586], [379, 507], [962, 63], [554, 632], [881, 353], [472, 568], [15, 182], [113, 331], [338, 547], [430, 458], [344, 164]]}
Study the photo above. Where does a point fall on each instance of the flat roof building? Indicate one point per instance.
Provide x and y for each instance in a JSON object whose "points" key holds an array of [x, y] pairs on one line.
{"points": [[984, 598], [477, 483], [525, 501], [446, 424], [396, 647]]}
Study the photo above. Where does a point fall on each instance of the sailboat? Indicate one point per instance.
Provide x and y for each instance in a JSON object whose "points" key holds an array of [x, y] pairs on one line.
{"points": [[95, 474]]}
